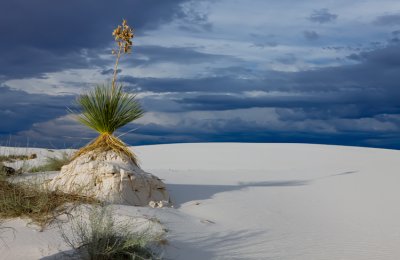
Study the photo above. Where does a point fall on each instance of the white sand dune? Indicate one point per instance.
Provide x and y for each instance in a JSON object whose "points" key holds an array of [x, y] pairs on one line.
{"points": [[261, 201]]}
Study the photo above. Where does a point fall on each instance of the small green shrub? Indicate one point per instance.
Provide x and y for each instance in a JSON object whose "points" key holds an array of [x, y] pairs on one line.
{"points": [[52, 164], [101, 238]]}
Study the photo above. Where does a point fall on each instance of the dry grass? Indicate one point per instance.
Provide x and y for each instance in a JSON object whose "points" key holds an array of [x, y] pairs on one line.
{"points": [[13, 157], [52, 164], [34, 201], [2, 172], [107, 142], [100, 237]]}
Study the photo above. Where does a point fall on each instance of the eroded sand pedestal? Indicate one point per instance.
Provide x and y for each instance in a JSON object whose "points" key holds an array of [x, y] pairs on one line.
{"points": [[110, 177]]}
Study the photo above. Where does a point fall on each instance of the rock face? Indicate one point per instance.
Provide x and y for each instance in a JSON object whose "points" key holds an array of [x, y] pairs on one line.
{"points": [[110, 177]]}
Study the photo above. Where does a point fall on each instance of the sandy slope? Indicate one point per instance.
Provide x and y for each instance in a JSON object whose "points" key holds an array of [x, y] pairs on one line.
{"points": [[263, 201]]}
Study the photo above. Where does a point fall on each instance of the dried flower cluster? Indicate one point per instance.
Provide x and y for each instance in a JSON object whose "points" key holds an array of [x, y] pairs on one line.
{"points": [[123, 36]]}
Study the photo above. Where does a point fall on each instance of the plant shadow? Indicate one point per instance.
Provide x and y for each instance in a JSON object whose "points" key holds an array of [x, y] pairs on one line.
{"points": [[182, 193]]}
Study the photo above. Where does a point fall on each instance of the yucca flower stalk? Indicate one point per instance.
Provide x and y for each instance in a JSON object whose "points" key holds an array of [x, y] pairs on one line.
{"points": [[123, 36], [107, 108]]}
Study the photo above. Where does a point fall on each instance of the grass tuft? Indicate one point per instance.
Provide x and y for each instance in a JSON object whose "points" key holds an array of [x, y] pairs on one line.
{"points": [[34, 201], [13, 157], [102, 238], [52, 164]]}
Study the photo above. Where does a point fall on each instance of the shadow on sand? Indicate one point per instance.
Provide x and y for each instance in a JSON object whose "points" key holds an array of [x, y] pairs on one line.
{"points": [[182, 193], [239, 244]]}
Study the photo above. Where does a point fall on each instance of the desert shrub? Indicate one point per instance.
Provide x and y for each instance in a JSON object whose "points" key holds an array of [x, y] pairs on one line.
{"points": [[33, 200], [52, 164], [100, 237]]}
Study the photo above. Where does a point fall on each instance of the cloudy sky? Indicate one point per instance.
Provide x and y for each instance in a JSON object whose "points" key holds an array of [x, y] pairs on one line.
{"points": [[311, 71]]}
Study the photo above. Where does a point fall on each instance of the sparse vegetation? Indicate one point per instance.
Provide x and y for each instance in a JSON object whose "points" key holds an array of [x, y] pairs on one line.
{"points": [[2, 172], [52, 164], [16, 157], [102, 238], [6, 171], [34, 201]]}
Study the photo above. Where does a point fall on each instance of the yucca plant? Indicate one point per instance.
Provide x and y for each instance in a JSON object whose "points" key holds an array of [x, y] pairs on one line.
{"points": [[107, 108]]}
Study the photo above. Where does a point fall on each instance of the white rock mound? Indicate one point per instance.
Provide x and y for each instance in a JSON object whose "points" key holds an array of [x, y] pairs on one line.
{"points": [[110, 177]]}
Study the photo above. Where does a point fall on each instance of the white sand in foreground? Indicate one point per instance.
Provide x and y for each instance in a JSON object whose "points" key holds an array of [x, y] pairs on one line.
{"points": [[262, 201]]}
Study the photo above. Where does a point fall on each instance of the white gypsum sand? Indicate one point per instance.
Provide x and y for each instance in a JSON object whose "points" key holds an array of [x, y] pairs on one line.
{"points": [[261, 201], [110, 177]]}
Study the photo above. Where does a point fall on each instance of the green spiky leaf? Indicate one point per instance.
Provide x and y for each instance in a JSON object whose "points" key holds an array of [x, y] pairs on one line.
{"points": [[105, 109]]}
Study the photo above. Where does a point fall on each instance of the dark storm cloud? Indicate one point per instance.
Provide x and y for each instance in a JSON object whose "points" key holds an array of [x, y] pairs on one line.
{"points": [[311, 35], [356, 57], [287, 59], [318, 105], [229, 102], [214, 84], [20, 110], [46, 36], [396, 33], [368, 89], [322, 16], [388, 19], [148, 54], [262, 41], [378, 73], [109, 71], [25, 61], [374, 79], [265, 44], [239, 130]]}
